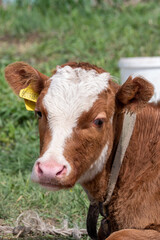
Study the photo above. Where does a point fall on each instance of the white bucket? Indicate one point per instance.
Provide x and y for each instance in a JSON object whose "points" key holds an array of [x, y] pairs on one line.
{"points": [[148, 67]]}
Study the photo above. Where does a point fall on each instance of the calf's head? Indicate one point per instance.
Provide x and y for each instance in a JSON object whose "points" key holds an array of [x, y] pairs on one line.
{"points": [[75, 108]]}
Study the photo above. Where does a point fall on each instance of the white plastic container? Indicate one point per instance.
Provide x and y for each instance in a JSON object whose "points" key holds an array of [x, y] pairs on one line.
{"points": [[148, 67]]}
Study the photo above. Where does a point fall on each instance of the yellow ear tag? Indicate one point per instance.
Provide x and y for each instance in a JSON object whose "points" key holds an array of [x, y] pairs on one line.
{"points": [[30, 97]]}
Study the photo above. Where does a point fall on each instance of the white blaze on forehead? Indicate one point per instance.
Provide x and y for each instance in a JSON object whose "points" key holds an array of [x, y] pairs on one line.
{"points": [[71, 92]]}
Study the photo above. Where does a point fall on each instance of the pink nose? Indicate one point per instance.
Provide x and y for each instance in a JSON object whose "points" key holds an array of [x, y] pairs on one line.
{"points": [[50, 170]]}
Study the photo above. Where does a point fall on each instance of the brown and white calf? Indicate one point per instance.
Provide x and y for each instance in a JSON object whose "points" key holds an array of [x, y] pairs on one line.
{"points": [[81, 113]]}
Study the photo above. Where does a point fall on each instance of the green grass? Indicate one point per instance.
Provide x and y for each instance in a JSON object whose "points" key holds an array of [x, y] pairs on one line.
{"points": [[46, 36], [70, 205]]}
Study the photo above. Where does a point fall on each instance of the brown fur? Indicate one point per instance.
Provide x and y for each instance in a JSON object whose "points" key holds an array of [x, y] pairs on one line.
{"points": [[135, 203], [134, 94], [19, 75], [84, 65], [134, 234], [139, 176], [44, 131]]}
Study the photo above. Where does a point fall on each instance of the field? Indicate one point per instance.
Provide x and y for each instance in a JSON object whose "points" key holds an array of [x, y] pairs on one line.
{"points": [[46, 34]]}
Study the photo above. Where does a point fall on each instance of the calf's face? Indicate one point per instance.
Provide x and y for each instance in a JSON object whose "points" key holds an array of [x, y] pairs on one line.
{"points": [[74, 125], [75, 108]]}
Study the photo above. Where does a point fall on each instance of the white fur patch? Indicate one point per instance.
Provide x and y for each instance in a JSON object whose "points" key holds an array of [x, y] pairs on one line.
{"points": [[71, 92], [96, 167]]}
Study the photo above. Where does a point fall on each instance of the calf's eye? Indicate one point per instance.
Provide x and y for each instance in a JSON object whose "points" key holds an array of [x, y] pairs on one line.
{"points": [[98, 122], [39, 114]]}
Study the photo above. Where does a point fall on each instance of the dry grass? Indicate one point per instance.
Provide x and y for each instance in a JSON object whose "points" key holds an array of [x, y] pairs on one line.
{"points": [[30, 223]]}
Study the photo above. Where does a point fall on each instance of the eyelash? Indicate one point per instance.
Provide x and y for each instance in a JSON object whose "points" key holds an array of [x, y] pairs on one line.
{"points": [[38, 114], [98, 122]]}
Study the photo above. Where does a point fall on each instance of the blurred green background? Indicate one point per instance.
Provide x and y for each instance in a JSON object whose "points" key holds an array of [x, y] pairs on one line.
{"points": [[49, 33]]}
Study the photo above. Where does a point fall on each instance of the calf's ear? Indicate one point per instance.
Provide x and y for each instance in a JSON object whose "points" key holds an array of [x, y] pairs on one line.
{"points": [[20, 74], [134, 93]]}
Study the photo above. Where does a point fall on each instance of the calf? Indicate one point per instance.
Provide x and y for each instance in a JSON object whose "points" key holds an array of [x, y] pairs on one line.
{"points": [[81, 112]]}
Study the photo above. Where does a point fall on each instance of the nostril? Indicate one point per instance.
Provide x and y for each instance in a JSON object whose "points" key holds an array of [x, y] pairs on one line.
{"points": [[50, 170], [39, 170], [62, 171]]}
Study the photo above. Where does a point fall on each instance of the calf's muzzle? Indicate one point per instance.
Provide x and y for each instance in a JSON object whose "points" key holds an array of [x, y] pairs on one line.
{"points": [[49, 171]]}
